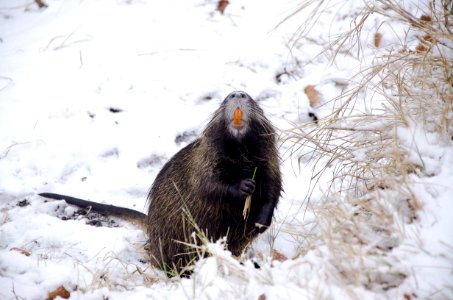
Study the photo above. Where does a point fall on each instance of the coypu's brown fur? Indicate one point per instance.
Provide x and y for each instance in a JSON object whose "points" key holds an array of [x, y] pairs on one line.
{"points": [[196, 180], [206, 183]]}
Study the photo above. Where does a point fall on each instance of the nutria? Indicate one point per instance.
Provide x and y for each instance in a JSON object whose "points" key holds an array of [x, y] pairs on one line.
{"points": [[203, 187]]}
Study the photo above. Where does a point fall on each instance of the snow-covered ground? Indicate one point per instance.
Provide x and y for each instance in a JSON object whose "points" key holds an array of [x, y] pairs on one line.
{"points": [[95, 96]]}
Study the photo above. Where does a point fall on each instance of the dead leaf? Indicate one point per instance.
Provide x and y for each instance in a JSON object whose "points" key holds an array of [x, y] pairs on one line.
{"points": [[421, 48], [222, 5], [426, 19], [313, 95], [377, 39], [60, 291], [428, 38], [22, 251], [278, 256], [41, 4]]}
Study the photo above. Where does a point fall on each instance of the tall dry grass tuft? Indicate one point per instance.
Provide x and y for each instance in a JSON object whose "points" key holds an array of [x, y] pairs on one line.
{"points": [[372, 151]]}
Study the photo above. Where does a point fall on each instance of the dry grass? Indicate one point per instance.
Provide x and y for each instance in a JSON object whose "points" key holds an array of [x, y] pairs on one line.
{"points": [[363, 213], [372, 153]]}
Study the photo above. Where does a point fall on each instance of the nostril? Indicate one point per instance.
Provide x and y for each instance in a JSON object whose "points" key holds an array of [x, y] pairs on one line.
{"points": [[235, 95]]}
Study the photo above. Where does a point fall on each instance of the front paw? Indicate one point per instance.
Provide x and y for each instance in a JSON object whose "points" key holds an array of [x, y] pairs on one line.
{"points": [[260, 228], [264, 218], [242, 189], [246, 187]]}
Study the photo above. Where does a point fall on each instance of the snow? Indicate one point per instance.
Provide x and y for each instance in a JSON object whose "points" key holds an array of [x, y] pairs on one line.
{"points": [[95, 96]]}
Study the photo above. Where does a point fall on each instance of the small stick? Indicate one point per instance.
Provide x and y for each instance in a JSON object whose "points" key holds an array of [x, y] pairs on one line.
{"points": [[248, 200]]}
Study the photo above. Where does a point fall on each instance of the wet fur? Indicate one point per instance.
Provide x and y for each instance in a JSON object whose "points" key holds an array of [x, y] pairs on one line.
{"points": [[193, 183]]}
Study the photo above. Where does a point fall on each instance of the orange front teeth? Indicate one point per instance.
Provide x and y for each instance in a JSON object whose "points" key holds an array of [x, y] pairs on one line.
{"points": [[237, 117]]}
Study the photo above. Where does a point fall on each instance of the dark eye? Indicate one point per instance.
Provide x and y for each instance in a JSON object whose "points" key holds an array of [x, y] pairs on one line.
{"points": [[242, 95]]}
